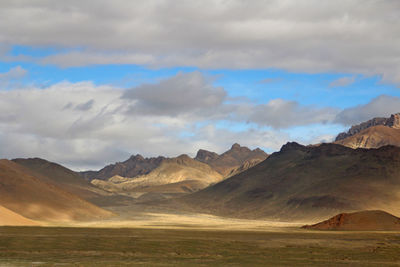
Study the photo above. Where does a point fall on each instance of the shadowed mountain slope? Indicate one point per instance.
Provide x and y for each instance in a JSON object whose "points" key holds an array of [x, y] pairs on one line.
{"points": [[24, 193], [132, 167], [233, 161], [62, 177], [369, 220], [308, 183]]}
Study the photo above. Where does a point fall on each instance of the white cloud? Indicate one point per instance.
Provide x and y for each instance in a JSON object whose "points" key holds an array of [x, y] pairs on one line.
{"points": [[381, 106], [185, 93], [280, 113], [358, 36], [341, 82], [11, 77]]}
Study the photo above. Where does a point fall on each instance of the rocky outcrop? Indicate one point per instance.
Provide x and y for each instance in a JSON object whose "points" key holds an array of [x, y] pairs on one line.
{"points": [[393, 122]]}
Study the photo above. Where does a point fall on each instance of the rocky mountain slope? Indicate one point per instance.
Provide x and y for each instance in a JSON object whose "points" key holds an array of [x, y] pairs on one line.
{"points": [[175, 175], [369, 220], [374, 133], [233, 161], [27, 194], [310, 183], [132, 167]]}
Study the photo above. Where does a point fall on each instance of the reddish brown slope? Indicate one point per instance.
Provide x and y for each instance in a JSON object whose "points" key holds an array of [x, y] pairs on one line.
{"points": [[31, 197], [370, 220]]}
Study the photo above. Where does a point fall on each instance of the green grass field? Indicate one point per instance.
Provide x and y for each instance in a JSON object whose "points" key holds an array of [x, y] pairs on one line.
{"points": [[55, 246]]}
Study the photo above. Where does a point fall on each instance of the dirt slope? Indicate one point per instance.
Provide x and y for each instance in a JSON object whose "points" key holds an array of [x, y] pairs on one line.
{"points": [[7, 217]]}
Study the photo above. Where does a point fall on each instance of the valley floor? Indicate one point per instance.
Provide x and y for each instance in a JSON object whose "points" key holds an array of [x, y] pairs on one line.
{"points": [[288, 246]]}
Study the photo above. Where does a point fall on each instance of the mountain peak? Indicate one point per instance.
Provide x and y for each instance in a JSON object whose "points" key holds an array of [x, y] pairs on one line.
{"points": [[205, 155], [137, 157], [291, 146], [235, 146], [394, 121]]}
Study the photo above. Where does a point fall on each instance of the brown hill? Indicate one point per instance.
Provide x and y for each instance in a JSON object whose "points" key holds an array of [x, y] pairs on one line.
{"points": [[176, 175], [24, 193], [370, 220], [7, 217], [233, 161], [373, 137], [301, 182], [62, 177], [134, 166]]}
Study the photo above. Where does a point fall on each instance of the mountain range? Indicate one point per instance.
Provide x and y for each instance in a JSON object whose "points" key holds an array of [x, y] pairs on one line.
{"points": [[360, 170], [179, 175]]}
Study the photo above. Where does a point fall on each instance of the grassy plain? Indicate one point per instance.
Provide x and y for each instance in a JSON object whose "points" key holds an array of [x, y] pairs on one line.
{"points": [[73, 246]]}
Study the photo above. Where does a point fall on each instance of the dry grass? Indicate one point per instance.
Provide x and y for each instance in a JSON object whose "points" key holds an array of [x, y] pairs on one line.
{"points": [[55, 246]]}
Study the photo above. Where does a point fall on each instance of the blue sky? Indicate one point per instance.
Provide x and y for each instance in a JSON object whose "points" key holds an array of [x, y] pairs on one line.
{"points": [[85, 87]]}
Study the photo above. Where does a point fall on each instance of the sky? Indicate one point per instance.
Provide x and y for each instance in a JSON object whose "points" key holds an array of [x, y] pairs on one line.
{"points": [[86, 83]]}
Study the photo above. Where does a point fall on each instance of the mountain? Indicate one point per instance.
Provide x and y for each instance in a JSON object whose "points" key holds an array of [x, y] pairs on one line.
{"points": [[175, 175], [26, 193], [62, 177], [374, 133], [233, 161], [132, 167], [236, 159], [307, 183], [369, 220], [8, 217]]}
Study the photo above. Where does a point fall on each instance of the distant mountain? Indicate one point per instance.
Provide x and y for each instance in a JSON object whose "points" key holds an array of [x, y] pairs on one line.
{"points": [[28, 194], [369, 220], [134, 166], [374, 133], [175, 175], [233, 161], [62, 177], [236, 159], [300, 182]]}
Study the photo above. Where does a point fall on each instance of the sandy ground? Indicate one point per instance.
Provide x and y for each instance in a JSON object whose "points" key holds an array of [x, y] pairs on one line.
{"points": [[153, 220]]}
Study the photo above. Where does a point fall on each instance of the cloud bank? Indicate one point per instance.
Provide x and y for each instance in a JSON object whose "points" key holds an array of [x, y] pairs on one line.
{"points": [[358, 36], [83, 125]]}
